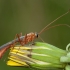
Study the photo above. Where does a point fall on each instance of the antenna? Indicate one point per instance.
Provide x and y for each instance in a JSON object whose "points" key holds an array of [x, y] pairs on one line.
{"points": [[53, 22], [57, 25]]}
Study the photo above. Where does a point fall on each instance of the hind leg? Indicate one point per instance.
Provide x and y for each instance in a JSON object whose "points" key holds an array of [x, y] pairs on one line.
{"points": [[14, 43]]}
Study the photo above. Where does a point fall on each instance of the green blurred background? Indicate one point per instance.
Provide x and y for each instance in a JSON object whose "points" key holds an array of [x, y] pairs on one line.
{"points": [[27, 16]]}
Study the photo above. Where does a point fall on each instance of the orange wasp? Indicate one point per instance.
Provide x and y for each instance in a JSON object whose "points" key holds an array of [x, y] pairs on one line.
{"points": [[28, 37]]}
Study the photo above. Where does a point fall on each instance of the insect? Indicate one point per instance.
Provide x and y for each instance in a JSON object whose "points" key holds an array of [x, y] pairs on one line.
{"points": [[28, 37]]}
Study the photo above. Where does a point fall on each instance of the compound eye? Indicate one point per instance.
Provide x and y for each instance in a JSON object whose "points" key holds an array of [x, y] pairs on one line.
{"points": [[37, 35]]}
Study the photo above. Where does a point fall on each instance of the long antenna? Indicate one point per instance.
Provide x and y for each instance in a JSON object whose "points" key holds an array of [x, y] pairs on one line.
{"points": [[53, 22], [57, 25]]}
